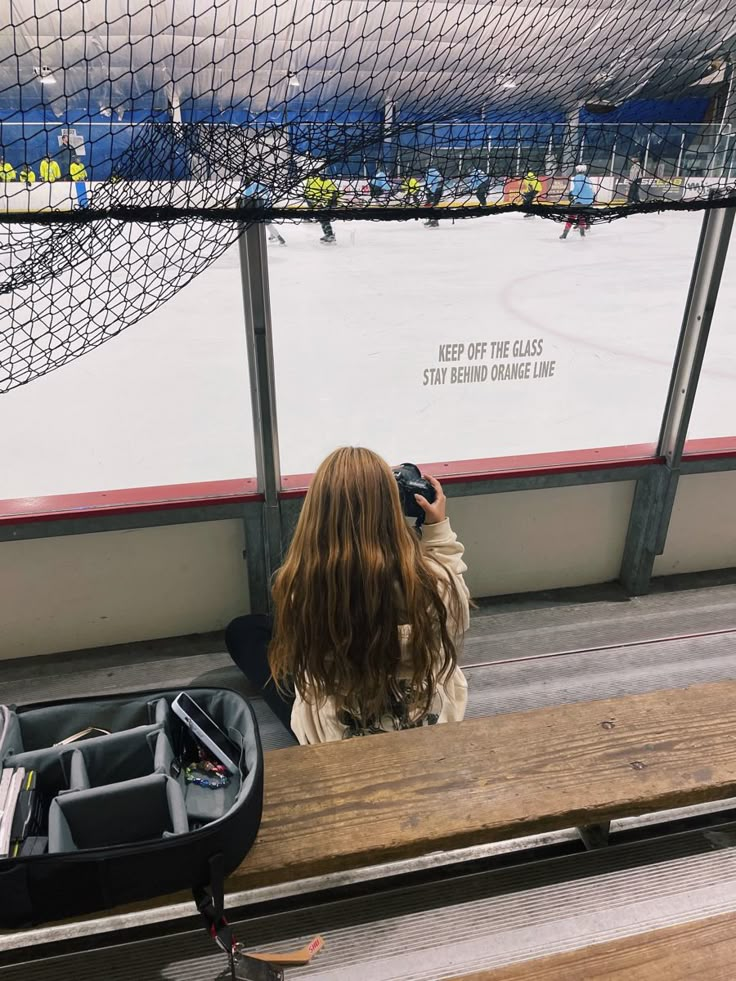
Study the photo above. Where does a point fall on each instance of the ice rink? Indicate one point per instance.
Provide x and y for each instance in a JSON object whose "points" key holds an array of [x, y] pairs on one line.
{"points": [[483, 338]]}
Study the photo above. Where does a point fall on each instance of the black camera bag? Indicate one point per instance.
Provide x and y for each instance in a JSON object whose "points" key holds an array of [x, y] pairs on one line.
{"points": [[118, 809]]}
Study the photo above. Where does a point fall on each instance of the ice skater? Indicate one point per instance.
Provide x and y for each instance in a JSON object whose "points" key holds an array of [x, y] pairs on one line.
{"points": [[635, 173], [531, 188], [380, 187], [582, 196], [321, 192], [411, 191], [478, 183], [78, 175], [257, 195], [435, 184]]}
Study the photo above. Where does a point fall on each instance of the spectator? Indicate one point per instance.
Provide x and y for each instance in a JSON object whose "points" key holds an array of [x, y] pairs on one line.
{"points": [[368, 617], [65, 156], [635, 174], [26, 174], [435, 187], [49, 170], [7, 172]]}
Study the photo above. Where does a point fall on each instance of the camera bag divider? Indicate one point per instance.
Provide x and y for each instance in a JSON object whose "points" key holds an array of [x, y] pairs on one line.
{"points": [[123, 823]]}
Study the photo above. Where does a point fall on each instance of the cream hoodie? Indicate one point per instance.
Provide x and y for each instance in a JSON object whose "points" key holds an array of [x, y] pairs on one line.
{"points": [[318, 723]]}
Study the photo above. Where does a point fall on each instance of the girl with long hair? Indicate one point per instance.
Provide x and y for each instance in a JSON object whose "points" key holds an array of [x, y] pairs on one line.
{"points": [[368, 616]]}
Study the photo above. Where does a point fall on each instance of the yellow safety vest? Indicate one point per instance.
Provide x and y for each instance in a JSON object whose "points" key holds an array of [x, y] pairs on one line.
{"points": [[50, 171], [320, 189], [77, 172], [27, 176], [7, 173]]}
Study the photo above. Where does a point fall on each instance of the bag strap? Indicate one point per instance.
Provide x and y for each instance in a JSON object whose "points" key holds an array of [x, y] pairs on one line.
{"points": [[210, 902]]}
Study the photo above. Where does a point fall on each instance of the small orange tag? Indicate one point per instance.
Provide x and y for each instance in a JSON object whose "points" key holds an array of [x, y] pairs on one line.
{"points": [[295, 959]]}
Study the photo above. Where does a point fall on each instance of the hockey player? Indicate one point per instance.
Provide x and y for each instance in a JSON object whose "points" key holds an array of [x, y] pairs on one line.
{"points": [[582, 196], [531, 188], [380, 187], [322, 192], [49, 170], [410, 190], [78, 175], [635, 172], [478, 183], [7, 171], [77, 170], [435, 183], [257, 195]]}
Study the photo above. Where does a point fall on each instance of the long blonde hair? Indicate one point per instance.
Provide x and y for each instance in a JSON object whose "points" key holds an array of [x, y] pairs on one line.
{"points": [[353, 573]]}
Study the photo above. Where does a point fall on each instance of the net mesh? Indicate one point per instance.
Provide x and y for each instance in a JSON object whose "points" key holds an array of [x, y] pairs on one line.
{"points": [[138, 137]]}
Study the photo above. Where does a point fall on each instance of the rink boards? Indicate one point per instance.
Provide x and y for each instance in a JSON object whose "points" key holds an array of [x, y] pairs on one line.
{"points": [[483, 338], [64, 196]]}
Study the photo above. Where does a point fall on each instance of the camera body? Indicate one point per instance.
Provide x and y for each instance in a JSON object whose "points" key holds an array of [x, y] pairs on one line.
{"points": [[411, 482]]}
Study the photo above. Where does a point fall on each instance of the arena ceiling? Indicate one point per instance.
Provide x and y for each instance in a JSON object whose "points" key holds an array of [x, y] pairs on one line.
{"points": [[428, 55]]}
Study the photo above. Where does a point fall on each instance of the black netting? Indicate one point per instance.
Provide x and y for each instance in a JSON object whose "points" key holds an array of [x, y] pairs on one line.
{"points": [[138, 136]]}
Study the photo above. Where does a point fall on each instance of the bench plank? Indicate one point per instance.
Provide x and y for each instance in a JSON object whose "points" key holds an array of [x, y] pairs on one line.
{"points": [[339, 806], [704, 950]]}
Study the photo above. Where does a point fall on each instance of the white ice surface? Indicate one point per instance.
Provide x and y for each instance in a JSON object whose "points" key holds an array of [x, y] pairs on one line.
{"points": [[355, 325]]}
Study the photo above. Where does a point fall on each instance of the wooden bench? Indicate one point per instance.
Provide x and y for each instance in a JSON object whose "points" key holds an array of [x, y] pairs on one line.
{"points": [[350, 805], [704, 950]]}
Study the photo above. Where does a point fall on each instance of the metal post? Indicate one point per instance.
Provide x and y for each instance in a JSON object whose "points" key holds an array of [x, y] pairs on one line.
{"points": [[646, 155], [613, 159], [582, 148], [389, 113], [654, 497], [705, 282], [571, 140], [518, 157], [257, 304], [724, 138], [678, 171]]}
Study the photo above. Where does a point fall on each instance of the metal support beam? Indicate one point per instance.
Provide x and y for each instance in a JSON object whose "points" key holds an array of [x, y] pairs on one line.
{"points": [[257, 304], [654, 497], [571, 142], [595, 835], [704, 285], [255, 558]]}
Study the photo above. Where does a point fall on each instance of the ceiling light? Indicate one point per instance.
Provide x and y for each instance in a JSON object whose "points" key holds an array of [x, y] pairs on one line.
{"points": [[45, 74], [293, 81], [506, 82]]}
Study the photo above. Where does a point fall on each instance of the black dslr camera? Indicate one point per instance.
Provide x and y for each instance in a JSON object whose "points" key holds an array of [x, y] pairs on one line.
{"points": [[411, 482]]}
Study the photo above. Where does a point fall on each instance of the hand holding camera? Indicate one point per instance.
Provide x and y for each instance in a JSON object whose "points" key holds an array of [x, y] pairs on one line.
{"points": [[422, 496], [435, 509]]}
